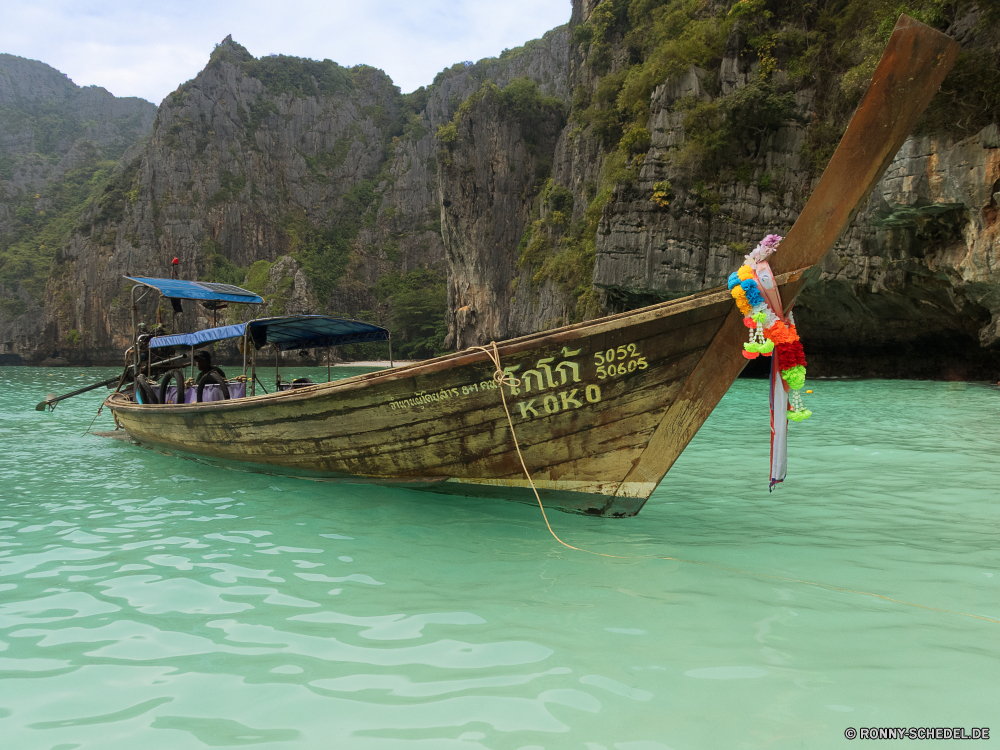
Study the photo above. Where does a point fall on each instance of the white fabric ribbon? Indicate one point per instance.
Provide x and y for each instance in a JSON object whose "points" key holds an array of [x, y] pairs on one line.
{"points": [[779, 388]]}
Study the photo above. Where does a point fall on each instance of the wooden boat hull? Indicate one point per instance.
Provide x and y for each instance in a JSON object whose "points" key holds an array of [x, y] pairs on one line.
{"points": [[589, 400]]}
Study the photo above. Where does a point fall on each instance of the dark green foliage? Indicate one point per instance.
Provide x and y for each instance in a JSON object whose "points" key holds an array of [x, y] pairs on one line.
{"points": [[451, 72], [560, 251], [419, 300], [229, 51], [560, 199], [664, 38], [520, 99], [969, 98], [418, 319], [213, 265], [7, 162], [230, 186], [295, 75], [744, 116], [416, 101], [324, 253], [758, 108], [327, 161], [838, 45], [260, 109], [596, 35], [11, 308], [38, 234], [116, 195], [821, 141]]}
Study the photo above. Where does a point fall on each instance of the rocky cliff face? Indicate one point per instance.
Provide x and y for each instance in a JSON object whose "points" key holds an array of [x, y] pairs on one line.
{"points": [[487, 184], [323, 176], [600, 168], [249, 162], [909, 290], [913, 287], [57, 142]]}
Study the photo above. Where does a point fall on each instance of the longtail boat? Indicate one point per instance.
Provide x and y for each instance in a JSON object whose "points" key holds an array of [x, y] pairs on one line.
{"points": [[600, 409]]}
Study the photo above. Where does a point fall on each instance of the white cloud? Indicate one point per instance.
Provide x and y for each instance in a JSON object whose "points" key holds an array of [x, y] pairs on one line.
{"points": [[147, 50]]}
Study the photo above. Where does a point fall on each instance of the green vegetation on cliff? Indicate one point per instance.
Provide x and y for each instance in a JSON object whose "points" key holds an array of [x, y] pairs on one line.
{"points": [[419, 300], [785, 46], [41, 225], [520, 99], [562, 251]]}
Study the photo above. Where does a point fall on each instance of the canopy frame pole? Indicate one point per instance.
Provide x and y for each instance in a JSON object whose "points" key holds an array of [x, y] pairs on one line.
{"points": [[277, 372], [328, 360], [135, 336], [390, 351], [253, 373], [137, 363], [192, 361], [245, 344]]}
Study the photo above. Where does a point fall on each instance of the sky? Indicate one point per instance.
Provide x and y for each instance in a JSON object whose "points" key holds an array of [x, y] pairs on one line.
{"points": [[148, 49]]}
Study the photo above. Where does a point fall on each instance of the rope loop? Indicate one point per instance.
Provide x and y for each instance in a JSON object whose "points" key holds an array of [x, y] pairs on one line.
{"points": [[500, 377], [508, 379]]}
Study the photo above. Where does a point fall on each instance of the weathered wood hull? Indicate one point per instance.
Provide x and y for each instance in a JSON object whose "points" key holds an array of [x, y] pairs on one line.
{"points": [[590, 400], [603, 408]]}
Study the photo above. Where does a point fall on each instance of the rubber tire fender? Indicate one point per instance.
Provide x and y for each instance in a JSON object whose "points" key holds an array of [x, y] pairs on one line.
{"points": [[212, 377], [178, 378], [144, 391]]}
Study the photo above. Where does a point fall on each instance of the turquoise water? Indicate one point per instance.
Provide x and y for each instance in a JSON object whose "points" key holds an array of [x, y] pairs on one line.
{"points": [[150, 602]]}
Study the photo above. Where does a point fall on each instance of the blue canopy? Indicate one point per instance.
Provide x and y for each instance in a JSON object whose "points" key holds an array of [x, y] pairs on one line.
{"points": [[199, 337], [204, 290], [307, 331], [286, 332]]}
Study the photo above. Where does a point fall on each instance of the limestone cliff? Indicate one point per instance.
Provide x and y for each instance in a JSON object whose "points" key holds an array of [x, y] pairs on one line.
{"points": [[58, 144], [725, 154], [488, 180], [632, 156]]}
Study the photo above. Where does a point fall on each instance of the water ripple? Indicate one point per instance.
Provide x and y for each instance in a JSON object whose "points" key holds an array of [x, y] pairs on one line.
{"points": [[155, 601]]}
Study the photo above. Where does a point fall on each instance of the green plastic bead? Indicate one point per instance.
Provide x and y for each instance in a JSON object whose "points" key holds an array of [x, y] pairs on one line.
{"points": [[795, 377]]}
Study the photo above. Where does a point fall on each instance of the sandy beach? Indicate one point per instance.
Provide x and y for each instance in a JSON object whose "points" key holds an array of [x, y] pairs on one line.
{"points": [[378, 363]]}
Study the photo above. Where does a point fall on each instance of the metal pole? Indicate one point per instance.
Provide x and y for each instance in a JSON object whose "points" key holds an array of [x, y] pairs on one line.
{"points": [[135, 342], [253, 373], [328, 360], [390, 350], [277, 375]]}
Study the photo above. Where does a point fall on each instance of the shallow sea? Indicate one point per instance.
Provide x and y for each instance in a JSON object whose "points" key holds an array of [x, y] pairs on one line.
{"points": [[148, 601]]}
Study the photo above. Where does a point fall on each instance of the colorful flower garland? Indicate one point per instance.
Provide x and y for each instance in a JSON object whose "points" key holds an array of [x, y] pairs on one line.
{"points": [[768, 332]]}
